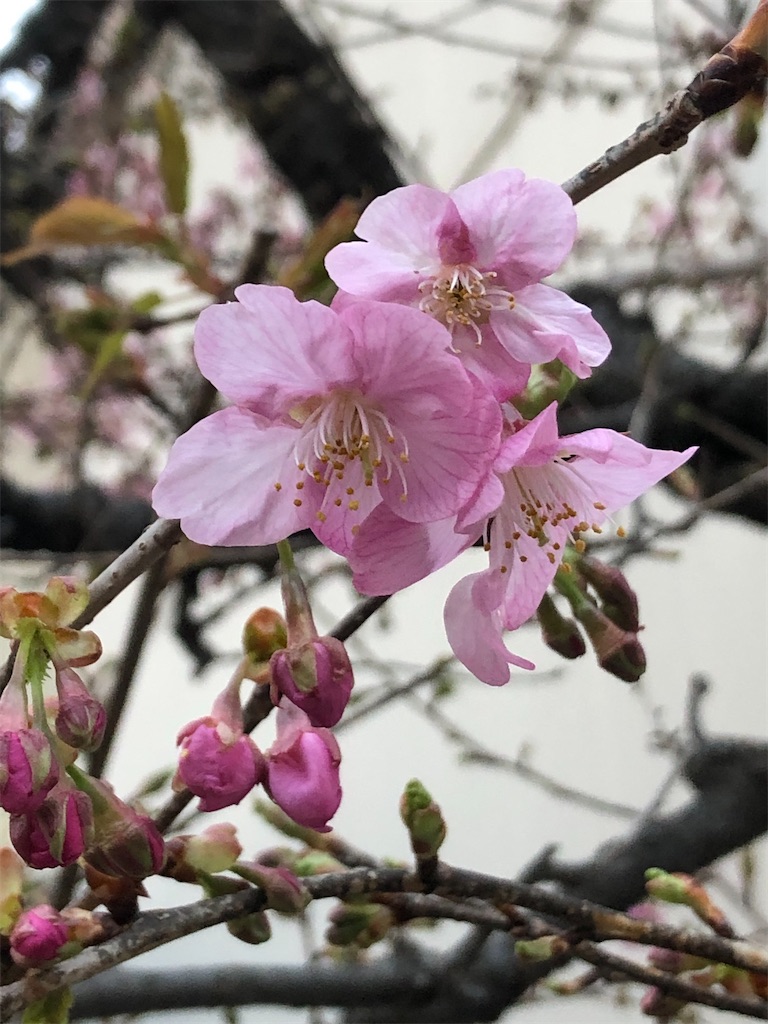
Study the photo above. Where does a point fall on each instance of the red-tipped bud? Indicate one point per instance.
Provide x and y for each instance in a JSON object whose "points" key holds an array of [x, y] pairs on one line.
{"points": [[217, 763], [316, 677], [215, 849], [618, 651], [80, 718], [263, 634], [57, 833], [285, 893], [303, 770], [125, 844], [558, 633], [38, 936]]}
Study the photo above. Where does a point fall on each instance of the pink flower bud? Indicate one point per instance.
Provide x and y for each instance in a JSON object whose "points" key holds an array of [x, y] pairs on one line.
{"points": [[28, 769], [80, 719], [57, 833], [38, 935], [316, 677], [125, 844], [303, 770], [219, 764]]}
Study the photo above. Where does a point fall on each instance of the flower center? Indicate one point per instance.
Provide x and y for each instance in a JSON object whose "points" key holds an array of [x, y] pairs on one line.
{"points": [[463, 296], [540, 504], [344, 438]]}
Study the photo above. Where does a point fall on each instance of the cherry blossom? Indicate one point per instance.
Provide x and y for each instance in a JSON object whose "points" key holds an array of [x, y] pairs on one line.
{"points": [[547, 491], [334, 413], [473, 259]]}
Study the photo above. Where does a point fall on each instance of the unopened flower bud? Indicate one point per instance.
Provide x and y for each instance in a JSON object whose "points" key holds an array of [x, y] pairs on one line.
{"points": [[680, 888], [263, 634], [359, 924], [317, 862], [125, 844], [618, 651], [217, 763], [313, 672], [543, 948], [38, 936], [80, 718], [656, 1003], [618, 599], [303, 769], [57, 833], [28, 769], [216, 848], [253, 929], [316, 677], [284, 891], [558, 633], [423, 819]]}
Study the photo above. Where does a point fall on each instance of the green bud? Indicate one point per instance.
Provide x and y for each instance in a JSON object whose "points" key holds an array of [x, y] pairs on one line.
{"points": [[558, 633], [423, 819], [359, 924], [253, 929], [543, 948]]}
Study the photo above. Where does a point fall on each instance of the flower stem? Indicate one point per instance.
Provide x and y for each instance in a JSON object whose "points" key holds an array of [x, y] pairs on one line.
{"points": [[286, 555]]}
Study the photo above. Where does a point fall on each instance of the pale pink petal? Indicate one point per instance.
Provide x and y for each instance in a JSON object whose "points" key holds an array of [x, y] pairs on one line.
{"points": [[473, 626], [406, 221], [220, 481], [529, 570], [522, 228], [622, 475], [402, 360], [483, 504], [535, 444], [337, 525], [268, 351], [503, 375], [558, 322], [367, 270], [447, 458], [390, 554]]}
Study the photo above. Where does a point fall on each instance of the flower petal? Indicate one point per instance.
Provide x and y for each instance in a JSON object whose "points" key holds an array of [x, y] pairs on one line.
{"points": [[615, 477], [368, 270], [523, 228], [448, 456], [268, 351], [473, 627], [561, 326], [221, 479], [390, 554], [406, 221], [402, 360]]}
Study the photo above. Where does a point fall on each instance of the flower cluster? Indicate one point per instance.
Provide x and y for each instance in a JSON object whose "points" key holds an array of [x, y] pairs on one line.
{"points": [[389, 424], [310, 681], [57, 812]]}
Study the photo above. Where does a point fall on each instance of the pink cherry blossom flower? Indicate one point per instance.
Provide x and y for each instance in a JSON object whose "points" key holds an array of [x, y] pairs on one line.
{"points": [[473, 259], [303, 769], [334, 413], [547, 491]]}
